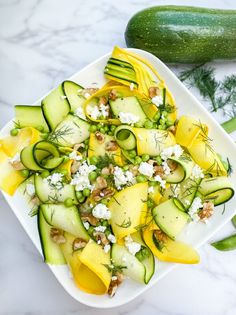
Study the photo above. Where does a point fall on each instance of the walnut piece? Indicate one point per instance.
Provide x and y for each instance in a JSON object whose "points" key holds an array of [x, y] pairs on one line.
{"points": [[159, 170], [75, 166], [112, 95], [111, 146], [99, 136], [101, 238], [88, 217], [78, 243], [115, 283], [108, 170], [160, 236], [207, 210], [103, 100], [172, 164], [57, 236], [153, 91], [100, 183], [17, 165]]}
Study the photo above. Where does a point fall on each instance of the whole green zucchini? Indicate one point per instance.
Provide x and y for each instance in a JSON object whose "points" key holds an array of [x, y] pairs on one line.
{"points": [[180, 34]]}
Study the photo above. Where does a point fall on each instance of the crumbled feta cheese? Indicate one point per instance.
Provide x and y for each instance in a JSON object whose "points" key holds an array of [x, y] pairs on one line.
{"points": [[80, 113], [111, 238], [166, 168], [80, 179], [195, 206], [95, 112], [128, 118], [197, 172], [107, 248], [131, 86], [86, 225], [63, 97], [133, 247], [146, 169], [100, 228], [30, 189], [124, 259], [161, 181], [74, 156], [101, 211], [150, 189], [55, 180], [114, 278], [99, 242], [157, 100], [15, 158], [174, 150], [187, 202], [122, 178]]}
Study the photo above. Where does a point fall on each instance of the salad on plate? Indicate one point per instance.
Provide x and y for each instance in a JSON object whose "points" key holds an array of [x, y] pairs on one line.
{"points": [[113, 175]]}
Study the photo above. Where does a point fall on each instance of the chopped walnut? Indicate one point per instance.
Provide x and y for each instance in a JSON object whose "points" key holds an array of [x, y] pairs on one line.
{"points": [[207, 210], [99, 136], [115, 283], [100, 183], [77, 146], [88, 217], [78, 243], [111, 146], [172, 164], [103, 100], [17, 165], [133, 169], [172, 129], [159, 170], [57, 236], [108, 170], [160, 236], [108, 192], [113, 95], [75, 166], [35, 200], [153, 91], [89, 91], [101, 238]]}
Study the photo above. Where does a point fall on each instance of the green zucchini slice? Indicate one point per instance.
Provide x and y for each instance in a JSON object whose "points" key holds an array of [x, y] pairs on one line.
{"points": [[125, 137], [73, 92]]}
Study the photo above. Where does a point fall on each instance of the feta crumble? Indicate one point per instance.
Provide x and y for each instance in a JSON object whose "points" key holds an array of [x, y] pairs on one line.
{"points": [[95, 112], [74, 156], [128, 118], [80, 113], [100, 228], [114, 278], [15, 158], [122, 178], [146, 169], [197, 172], [101, 211], [111, 238], [87, 95], [55, 180], [174, 150], [195, 206], [107, 248], [131, 86], [133, 247], [161, 181], [80, 179], [157, 100], [166, 168], [86, 225], [63, 97], [30, 189], [150, 189]]}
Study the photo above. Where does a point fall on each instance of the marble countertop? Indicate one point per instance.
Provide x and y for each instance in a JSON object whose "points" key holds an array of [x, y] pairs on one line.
{"points": [[41, 43]]}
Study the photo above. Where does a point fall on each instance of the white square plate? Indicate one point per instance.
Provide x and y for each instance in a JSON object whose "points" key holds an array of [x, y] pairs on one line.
{"points": [[195, 234]]}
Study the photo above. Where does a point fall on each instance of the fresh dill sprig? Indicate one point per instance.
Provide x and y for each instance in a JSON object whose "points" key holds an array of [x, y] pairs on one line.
{"points": [[60, 134], [106, 160], [125, 224], [115, 268]]}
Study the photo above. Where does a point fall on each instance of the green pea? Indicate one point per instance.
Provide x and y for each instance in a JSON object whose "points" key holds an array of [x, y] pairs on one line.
{"points": [[81, 200], [93, 160], [99, 126], [102, 130], [141, 179], [79, 195], [91, 230], [110, 133], [162, 121], [14, 132], [161, 127], [169, 123], [138, 159], [68, 202], [158, 160], [132, 153], [145, 157], [113, 128], [45, 174], [157, 116], [93, 175], [86, 147], [126, 167], [86, 141], [86, 192], [93, 128], [150, 203], [25, 173], [148, 124], [155, 125], [153, 183], [164, 114], [106, 128]]}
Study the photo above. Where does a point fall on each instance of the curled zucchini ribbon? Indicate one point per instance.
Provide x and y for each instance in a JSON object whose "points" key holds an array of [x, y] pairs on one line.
{"points": [[193, 135], [10, 178], [41, 155]]}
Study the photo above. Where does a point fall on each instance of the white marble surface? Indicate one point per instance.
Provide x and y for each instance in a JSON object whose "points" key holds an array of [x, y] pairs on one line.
{"points": [[41, 43]]}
